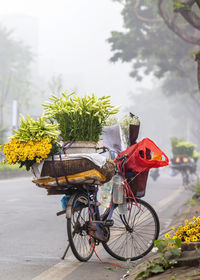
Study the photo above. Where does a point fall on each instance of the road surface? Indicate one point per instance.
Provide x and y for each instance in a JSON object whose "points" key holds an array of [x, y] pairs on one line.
{"points": [[33, 238]]}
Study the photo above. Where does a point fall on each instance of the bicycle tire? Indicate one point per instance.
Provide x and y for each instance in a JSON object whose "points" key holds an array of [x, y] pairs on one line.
{"points": [[133, 250], [78, 236]]}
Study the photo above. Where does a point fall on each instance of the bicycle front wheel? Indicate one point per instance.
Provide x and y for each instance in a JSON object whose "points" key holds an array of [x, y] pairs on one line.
{"points": [[77, 228], [185, 177], [132, 236]]}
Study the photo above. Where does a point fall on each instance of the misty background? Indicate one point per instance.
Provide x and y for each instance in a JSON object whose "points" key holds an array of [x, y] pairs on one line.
{"points": [[67, 48]]}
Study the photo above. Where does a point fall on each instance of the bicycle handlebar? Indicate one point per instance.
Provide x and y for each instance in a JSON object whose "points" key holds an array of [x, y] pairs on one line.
{"points": [[125, 156]]}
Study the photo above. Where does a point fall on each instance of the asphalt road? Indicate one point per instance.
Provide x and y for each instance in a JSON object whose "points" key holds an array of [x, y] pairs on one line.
{"points": [[33, 238]]}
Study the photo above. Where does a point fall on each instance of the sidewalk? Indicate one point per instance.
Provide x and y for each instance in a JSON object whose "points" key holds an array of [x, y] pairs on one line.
{"points": [[177, 273]]}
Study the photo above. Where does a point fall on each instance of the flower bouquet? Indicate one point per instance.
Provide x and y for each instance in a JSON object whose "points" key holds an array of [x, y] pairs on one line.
{"points": [[34, 141], [130, 125], [34, 144], [81, 121], [79, 118], [182, 148]]}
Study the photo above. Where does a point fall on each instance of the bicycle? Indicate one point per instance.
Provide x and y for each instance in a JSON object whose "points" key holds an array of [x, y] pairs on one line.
{"points": [[125, 237]]}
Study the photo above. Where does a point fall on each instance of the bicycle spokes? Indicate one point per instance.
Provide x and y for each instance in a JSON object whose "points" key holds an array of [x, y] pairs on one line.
{"points": [[133, 234]]}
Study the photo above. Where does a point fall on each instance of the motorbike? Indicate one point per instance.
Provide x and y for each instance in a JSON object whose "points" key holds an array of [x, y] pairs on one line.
{"points": [[187, 167]]}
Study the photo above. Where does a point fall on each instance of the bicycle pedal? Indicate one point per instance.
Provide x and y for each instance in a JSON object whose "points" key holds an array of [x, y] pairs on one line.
{"points": [[108, 223]]}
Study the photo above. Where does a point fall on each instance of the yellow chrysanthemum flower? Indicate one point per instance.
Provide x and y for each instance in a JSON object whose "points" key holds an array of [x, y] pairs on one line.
{"points": [[18, 151], [170, 244], [38, 160], [187, 239], [198, 220], [192, 231], [194, 238], [167, 235]]}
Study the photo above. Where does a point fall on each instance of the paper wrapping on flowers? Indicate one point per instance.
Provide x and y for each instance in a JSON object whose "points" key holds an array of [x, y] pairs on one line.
{"points": [[37, 169], [112, 139], [96, 158]]}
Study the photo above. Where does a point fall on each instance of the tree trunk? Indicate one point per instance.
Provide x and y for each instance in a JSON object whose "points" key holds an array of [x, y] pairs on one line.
{"points": [[190, 17], [198, 68], [172, 25]]}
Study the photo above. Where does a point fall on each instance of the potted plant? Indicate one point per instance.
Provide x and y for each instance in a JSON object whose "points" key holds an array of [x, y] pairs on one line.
{"points": [[79, 118]]}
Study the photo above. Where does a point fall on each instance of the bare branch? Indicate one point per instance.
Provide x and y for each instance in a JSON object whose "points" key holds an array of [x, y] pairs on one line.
{"points": [[197, 58], [136, 12], [170, 23], [189, 2], [190, 16], [198, 3]]}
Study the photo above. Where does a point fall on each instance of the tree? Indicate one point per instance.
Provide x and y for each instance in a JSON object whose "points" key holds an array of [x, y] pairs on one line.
{"points": [[15, 59], [56, 84], [161, 37], [158, 37]]}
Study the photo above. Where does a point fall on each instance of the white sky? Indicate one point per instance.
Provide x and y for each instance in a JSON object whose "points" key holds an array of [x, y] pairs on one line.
{"points": [[72, 42]]}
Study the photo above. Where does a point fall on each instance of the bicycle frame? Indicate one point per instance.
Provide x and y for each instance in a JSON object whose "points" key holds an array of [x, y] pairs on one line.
{"points": [[96, 213], [102, 228]]}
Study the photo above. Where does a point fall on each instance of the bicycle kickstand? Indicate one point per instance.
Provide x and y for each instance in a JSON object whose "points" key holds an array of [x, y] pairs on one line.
{"points": [[66, 250]]}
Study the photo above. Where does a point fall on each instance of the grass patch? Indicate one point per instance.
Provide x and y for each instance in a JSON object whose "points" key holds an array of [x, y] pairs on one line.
{"points": [[196, 190], [193, 202], [11, 167]]}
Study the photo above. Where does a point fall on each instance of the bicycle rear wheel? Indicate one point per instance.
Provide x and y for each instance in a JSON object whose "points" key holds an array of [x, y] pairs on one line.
{"points": [[132, 235], [77, 228]]}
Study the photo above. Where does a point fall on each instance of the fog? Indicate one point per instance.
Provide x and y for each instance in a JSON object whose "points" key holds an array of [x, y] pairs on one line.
{"points": [[69, 39]]}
